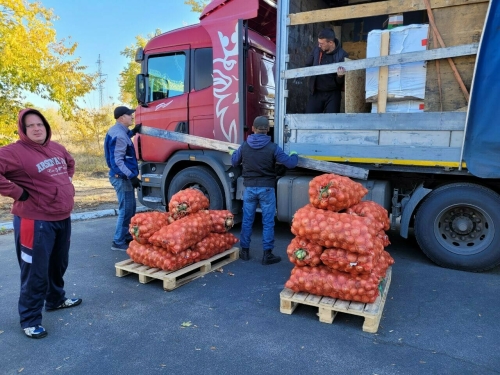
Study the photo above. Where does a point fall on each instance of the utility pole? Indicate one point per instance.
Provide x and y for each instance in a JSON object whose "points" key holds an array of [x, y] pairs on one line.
{"points": [[101, 80]]}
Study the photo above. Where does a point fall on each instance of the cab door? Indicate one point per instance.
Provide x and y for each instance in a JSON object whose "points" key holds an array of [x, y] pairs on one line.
{"points": [[166, 100]]}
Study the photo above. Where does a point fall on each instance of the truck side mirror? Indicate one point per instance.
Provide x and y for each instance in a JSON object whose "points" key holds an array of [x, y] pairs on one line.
{"points": [[140, 89], [139, 55]]}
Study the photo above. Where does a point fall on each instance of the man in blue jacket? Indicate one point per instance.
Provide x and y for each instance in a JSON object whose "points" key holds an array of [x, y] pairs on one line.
{"points": [[325, 90], [123, 171], [258, 157]]}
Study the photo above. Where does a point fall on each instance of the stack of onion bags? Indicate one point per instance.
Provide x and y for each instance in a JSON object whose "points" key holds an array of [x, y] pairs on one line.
{"points": [[338, 250], [186, 234]]}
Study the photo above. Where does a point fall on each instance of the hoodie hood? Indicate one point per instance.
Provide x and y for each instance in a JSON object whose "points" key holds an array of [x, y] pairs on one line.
{"points": [[337, 45], [21, 129], [257, 141]]}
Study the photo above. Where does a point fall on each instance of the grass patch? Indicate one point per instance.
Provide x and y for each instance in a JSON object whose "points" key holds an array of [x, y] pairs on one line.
{"points": [[89, 165]]}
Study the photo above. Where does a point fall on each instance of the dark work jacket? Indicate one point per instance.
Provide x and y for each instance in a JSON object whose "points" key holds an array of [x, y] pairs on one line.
{"points": [[258, 157], [326, 82], [258, 165]]}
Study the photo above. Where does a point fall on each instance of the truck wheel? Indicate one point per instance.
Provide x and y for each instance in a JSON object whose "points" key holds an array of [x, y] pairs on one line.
{"points": [[456, 226], [203, 179]]}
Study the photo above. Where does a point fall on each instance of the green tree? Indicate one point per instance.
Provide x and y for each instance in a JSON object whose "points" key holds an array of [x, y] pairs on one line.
{"points": [[128, 74], [33, 60], [196, 6]]}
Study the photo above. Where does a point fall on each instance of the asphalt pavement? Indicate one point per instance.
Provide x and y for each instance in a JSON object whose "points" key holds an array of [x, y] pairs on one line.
{"points": [[435, 321]]}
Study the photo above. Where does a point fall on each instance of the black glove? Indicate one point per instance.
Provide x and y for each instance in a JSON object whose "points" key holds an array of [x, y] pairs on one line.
{"points": [[23, 196], [136, 129], [136, 183]]}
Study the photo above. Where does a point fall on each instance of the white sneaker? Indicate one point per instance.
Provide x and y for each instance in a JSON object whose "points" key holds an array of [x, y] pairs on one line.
{"points": [[70, 302], [37, 332]]}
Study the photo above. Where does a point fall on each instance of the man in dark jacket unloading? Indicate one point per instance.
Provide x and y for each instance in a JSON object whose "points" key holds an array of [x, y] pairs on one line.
{"points": [[325, 90], [36, 173], [258, 157]]}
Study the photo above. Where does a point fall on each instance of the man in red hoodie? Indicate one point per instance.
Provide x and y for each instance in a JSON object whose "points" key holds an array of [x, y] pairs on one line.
{"points": [[36, 173]]}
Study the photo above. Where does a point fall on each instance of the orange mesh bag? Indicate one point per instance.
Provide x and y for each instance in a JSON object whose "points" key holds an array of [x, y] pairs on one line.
{"points": [[213, 244], [144, 225], [323, 281], [302, 252], [158, 257], [384, 262], [222, 220], [183, 233], [332, 229], [373, 211], [335, 193], [348, 261], [384, 238], [187, 201]]}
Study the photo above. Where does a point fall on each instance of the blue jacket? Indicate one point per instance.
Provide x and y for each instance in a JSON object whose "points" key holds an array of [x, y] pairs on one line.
{"points": [[258, 157], [120, 152]]}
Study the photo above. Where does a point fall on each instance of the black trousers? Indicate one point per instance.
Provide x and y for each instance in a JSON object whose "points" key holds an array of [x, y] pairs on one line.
{"points": [[324, 102], [42, 249]]}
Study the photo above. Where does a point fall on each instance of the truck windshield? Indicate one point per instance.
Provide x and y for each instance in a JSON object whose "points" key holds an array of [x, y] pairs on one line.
{"points": [[166, 76]]}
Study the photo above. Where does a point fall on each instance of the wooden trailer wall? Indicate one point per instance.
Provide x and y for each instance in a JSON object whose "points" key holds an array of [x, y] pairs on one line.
{"points": [[429, 139]]}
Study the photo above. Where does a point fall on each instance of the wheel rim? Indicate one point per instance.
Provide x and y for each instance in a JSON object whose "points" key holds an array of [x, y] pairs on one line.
{"points": [[464, 229]]}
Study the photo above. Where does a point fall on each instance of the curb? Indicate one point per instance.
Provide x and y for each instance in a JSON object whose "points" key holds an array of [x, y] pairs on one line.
{"points": [[82, 216]]}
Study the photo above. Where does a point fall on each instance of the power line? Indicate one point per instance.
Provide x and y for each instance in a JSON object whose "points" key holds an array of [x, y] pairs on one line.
{"points": [[100, 85]]}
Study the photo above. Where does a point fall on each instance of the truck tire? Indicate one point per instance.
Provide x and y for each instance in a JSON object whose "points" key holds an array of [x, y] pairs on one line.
{"points": [[201, 178], [456, 227]]}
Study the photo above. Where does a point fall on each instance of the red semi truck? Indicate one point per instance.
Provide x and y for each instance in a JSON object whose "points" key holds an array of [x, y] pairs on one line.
{"points": [[437, 171]]}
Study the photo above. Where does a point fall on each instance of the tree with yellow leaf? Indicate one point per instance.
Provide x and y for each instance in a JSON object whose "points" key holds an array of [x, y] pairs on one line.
{"points": [[196, 6], [33, 60]]}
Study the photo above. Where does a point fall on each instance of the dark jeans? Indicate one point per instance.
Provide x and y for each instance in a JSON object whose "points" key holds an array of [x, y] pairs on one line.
{"points": [[324, 102], [42, 249], [266, 197], [126, 208]]}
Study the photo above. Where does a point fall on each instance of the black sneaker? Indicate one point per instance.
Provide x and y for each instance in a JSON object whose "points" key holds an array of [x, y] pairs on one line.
{"points": [[69, 302], [115, 246], [37, 332]]}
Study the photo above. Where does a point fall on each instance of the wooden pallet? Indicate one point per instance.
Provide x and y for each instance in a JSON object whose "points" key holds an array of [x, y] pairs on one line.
{"points": [[174, 279], [329, 307]]}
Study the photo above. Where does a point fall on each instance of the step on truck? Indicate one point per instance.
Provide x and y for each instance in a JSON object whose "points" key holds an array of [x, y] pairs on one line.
{"points": [[431, 152]]}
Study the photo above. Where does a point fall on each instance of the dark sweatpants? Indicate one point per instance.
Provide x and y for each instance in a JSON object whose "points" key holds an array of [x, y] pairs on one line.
{"points": [[324, 102], [42, 249]]}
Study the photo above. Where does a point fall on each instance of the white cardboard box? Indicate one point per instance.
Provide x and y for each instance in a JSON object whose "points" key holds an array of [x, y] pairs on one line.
{"points": [[406, 81], [405, 106]]}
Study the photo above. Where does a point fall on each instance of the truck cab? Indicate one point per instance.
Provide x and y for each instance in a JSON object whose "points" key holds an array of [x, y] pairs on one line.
{"points": [[209, 80]]}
